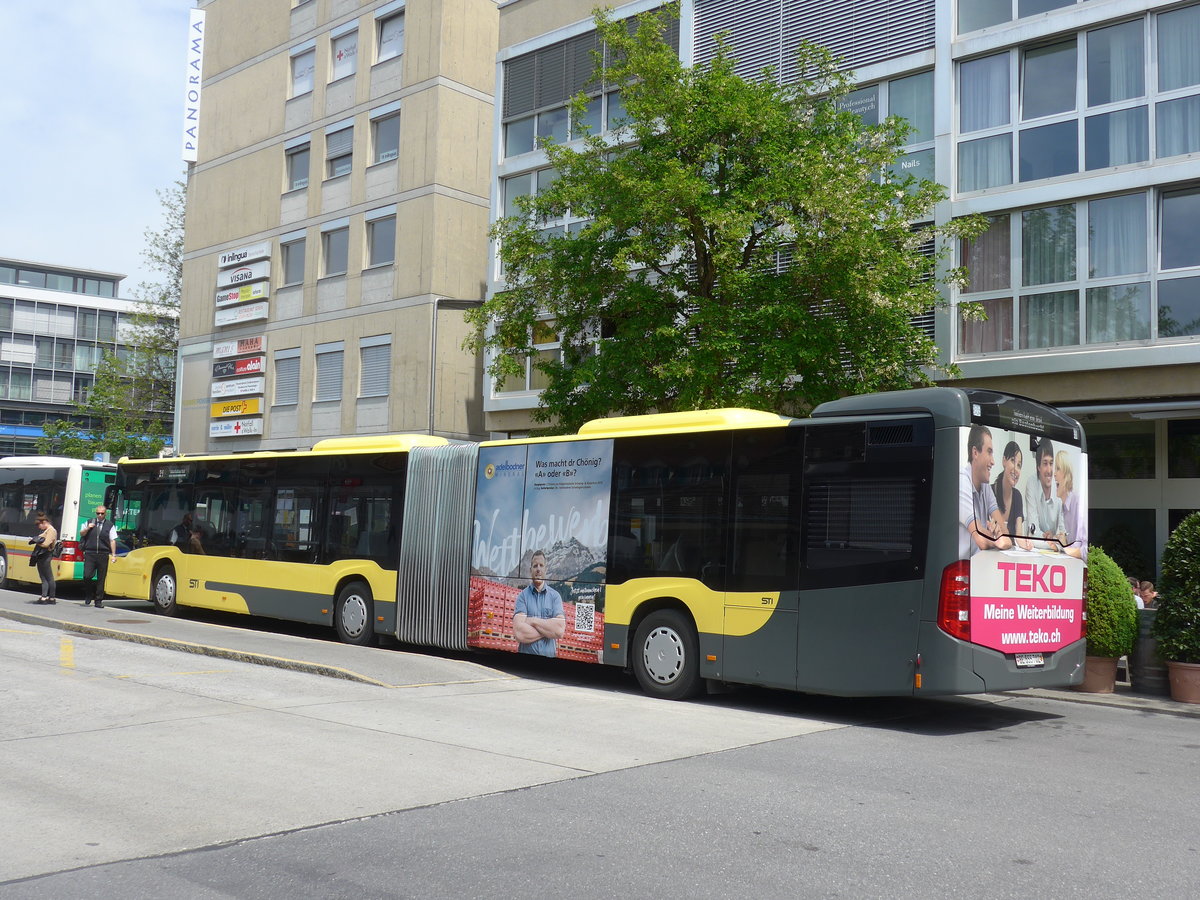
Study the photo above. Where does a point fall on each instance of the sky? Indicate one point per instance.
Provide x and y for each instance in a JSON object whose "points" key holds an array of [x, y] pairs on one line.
{"points": [[91, 126]]}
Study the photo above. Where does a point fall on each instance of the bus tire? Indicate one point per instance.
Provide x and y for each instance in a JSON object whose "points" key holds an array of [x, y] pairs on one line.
{"points": [[3, 569], [354, 615], [164, 590], [666, 655]]}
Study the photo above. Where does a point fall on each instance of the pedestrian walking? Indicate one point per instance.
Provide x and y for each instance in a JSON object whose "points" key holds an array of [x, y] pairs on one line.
{"points": [[99, 540], [42, 557]]}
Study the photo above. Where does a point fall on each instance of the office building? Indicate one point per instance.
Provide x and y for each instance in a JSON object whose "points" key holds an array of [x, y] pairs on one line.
{"points": [[337, 221], [56, 324]]}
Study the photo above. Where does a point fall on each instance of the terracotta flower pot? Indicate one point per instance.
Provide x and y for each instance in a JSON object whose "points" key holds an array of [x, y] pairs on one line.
{"points": [[1099, 675], [1185, 681]]}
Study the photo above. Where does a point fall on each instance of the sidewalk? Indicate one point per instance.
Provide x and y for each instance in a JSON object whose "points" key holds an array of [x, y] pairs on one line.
{"points": [[134, 620]]}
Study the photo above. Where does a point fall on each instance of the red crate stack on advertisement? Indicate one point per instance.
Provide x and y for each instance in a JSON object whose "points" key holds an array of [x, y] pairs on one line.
{"points": [[490, 608]]}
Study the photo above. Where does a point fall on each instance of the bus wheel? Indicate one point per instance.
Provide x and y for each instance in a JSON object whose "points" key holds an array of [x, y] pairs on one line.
{"points": [[354, 614], [666, 655], [3, 570], [164, 590]]}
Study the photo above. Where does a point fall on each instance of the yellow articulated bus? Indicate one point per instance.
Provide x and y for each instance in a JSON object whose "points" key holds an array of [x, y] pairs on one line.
{"points": [[307, 536], [66, 490], [878, 547]]}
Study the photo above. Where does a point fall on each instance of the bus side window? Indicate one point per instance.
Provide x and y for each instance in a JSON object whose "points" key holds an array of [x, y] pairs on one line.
{"points": [[669, 497], [764, 550]]}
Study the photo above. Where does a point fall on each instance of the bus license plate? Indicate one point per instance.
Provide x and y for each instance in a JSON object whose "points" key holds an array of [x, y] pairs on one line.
{"points": [[1029, 660]]}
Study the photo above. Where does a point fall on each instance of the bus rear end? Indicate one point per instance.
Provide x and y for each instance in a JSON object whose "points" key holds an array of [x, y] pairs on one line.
{"points": [[1010, 607]]}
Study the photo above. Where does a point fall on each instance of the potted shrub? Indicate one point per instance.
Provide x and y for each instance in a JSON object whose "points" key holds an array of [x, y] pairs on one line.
{"points": [[1177, 625], [1111, 622]]}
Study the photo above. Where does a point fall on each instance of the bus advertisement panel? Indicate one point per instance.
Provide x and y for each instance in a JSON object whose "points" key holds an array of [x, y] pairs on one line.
{"points": [[539, 547], [1023, 526]]}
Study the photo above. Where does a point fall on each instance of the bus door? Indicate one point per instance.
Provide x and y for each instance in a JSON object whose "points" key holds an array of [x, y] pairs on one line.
{"points": [[759, 640], [865, 530]]}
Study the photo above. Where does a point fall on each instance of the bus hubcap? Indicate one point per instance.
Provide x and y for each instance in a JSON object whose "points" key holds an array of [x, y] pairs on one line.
{"points": [[354, 615], [663, 655], [164, 591]]}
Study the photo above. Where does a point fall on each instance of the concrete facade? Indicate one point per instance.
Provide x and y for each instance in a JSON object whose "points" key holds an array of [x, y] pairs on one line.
{"points": [[386, 237]]}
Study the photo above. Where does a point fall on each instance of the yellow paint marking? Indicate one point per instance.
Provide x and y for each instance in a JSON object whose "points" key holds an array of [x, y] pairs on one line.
{"points": [[66, 653], [16, 631], [161, 674]]}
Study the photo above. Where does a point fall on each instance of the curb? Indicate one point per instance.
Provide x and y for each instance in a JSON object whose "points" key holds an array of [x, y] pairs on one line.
{"points": [[261, 659], [1120, 700]]}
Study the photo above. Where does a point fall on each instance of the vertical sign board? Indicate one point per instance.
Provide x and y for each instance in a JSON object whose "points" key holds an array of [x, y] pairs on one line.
{"points": [[541, 509], [1029, 494], [191, 92]]}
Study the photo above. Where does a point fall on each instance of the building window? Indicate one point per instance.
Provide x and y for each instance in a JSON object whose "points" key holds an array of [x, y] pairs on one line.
{"points": [[390, 31], [375, 366], [385, 138], [344, 56], [303, 65], [1098, 86], [1093, 255], [910, 98], [987, 258], [976, 14], [1116, 64], [1180, 227], [328, 385], [381, 240], [1183, 448], [1048, 81], [1179, 307], [1117, 236], [292, 254], [985, 163], [297, 168], [1178, 38], [339, 146], [546, 347], [287, 377], [336, 248]]}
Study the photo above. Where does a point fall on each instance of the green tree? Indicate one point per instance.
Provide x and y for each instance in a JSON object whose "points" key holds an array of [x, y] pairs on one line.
{"points": [[132, 399], [743, 244]]}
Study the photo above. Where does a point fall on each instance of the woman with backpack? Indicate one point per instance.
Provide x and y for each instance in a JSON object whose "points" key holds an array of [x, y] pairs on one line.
{"points": [[43, 557]]}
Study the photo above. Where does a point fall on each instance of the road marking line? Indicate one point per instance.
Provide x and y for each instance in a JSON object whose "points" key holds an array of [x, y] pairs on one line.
{"points": [[16, 631], [164, 674], [66, 653]]}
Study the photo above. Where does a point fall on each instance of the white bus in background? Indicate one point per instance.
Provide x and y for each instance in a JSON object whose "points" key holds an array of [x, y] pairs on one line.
{"points": [[67, 490]]}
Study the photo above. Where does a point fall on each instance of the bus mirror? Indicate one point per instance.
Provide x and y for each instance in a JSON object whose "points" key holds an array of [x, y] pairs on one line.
{"points": [[110, 495]]}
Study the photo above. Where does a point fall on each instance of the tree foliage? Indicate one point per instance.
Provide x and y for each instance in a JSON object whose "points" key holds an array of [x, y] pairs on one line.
{"points": [[745, 244], [132, 399]]}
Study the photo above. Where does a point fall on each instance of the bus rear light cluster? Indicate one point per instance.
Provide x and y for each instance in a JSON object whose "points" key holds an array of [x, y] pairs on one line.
{"points": [[954, 600], [71, 552]]}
